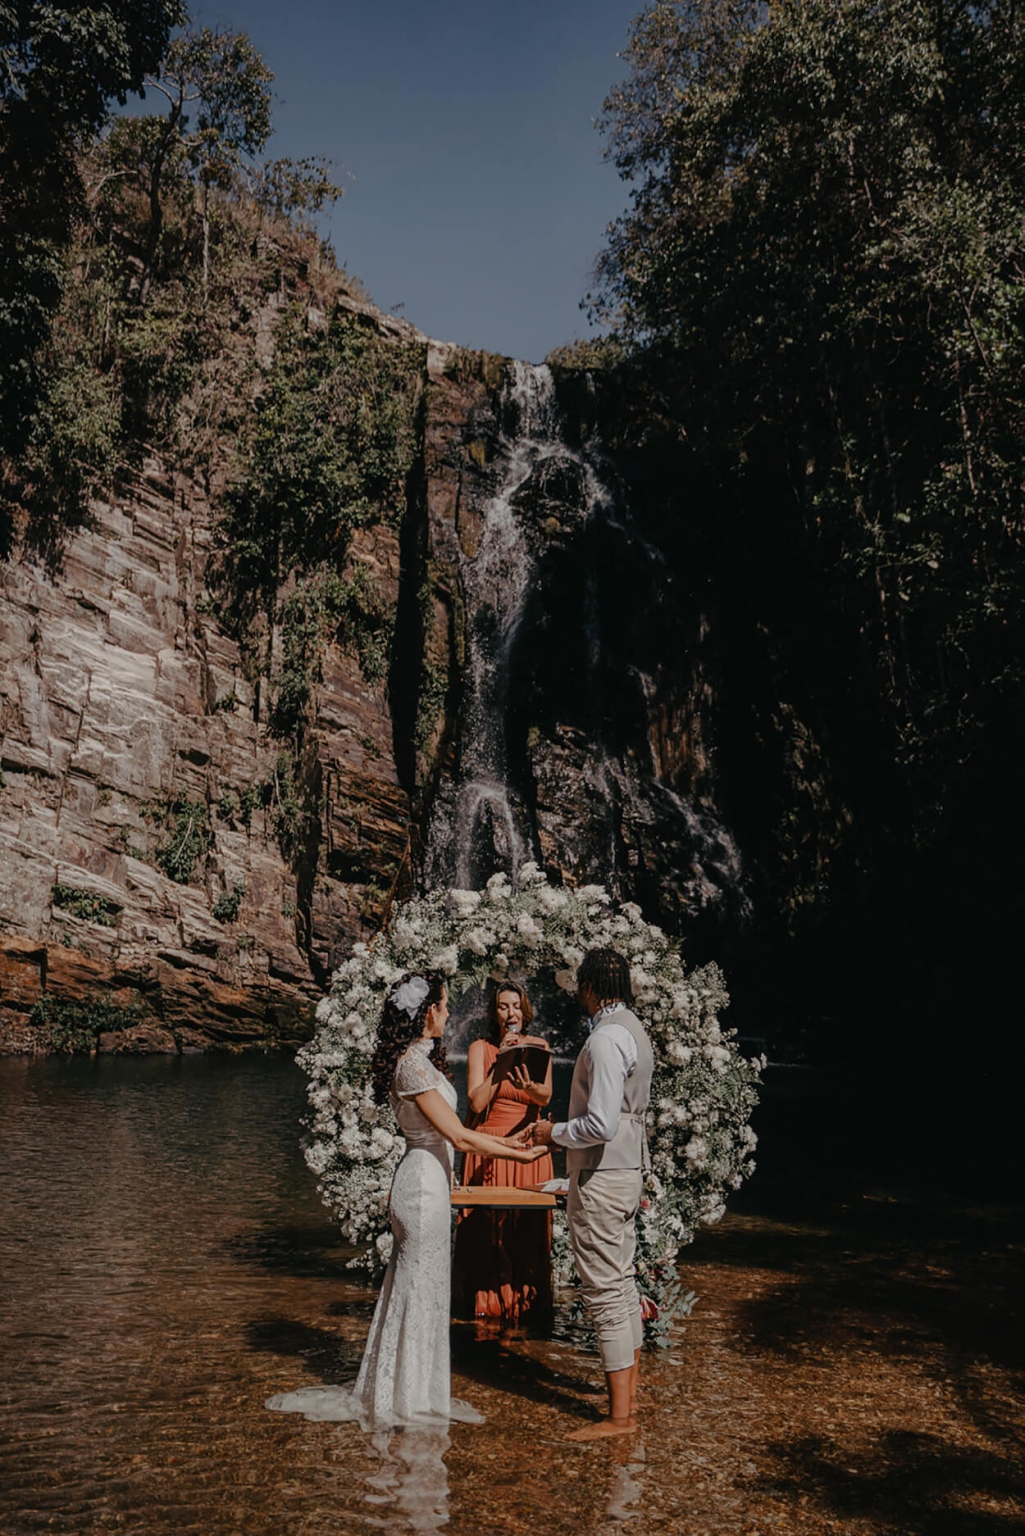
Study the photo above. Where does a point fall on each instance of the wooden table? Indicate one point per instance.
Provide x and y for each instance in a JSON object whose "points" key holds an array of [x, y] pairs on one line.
{"points": [[502, 1197]]}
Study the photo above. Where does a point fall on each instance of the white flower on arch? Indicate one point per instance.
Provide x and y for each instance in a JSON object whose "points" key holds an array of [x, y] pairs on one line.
{"points": [[702, 1096]]}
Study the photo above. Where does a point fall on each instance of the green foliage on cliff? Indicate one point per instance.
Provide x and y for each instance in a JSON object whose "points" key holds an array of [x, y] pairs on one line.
{"points": [[323, 453], [72, 1028], [596, 354], [326, 605], [823, 268], [85, 904], [430, 702], [72, 441], [229, 904], [288, 806], [187, 837], [285, 799]]}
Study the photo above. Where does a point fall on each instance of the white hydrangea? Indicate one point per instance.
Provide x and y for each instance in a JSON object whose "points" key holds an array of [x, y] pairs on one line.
{"points": [[381, 1142], [529, 873], [529, 931], [446, 961], [719, 1057]]}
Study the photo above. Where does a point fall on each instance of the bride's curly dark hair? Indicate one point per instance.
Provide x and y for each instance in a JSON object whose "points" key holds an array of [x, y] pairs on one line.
{"points": [[398, 1029]]}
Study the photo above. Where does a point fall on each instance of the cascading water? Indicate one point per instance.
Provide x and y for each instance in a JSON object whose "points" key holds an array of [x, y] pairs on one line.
{"points": [[488, 828], [617, 819]]}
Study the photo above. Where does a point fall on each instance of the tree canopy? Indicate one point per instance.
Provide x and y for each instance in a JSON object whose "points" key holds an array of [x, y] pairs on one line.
{"points": [[825, 251], [217, 90], [155, 212], [61, 65]]}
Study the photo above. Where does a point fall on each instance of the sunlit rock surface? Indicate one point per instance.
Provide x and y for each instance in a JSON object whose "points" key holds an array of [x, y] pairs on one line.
{"points": [[544, 700], [114, 669]]}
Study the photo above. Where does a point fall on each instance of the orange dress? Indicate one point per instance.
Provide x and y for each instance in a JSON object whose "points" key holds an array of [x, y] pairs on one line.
{"points": [[501, 1265]]}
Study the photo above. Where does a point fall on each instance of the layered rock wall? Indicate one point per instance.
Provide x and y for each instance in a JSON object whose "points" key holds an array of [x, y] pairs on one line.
{"points": [[121, 697], [125, 716]]}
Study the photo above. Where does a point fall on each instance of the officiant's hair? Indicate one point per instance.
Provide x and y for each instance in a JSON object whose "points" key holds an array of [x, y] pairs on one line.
{"points": [[398, 1029], [607, 974], [525, 1008]]}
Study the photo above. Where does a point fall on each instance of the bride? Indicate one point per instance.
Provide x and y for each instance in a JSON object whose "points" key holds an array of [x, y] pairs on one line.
{"points": [[404, 1375]]}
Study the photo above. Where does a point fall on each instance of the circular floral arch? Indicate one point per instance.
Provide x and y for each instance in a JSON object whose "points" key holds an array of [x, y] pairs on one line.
{"points": [[703, 1089]]}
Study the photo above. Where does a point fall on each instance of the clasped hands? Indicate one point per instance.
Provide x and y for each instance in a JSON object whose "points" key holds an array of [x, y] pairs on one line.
{"points": [[537, 1135]]}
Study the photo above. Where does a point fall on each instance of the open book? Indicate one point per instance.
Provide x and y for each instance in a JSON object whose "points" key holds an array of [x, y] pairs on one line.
{"points": [[534, 1057]]}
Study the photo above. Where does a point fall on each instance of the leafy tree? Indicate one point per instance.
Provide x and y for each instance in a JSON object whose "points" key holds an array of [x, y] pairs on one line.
{"points": [[324, 453], [59, 66], [217, 89], [72, 445], [825, 251], [819, 281], [290, 188]]}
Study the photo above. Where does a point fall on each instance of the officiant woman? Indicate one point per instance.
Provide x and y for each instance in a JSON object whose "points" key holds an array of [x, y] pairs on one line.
{"points": [[501, 1267]]}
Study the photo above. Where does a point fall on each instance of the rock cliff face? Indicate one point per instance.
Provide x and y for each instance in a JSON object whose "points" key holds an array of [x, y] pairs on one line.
{"points": [[113, 673], [581, 733], [126, 724]]}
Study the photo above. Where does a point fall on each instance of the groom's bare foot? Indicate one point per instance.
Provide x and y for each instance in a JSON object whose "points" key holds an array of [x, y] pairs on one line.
{"points": [[603, 1429]]}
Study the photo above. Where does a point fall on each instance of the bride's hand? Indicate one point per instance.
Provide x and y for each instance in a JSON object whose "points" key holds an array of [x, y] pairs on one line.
{"points": [[522, 1138]]}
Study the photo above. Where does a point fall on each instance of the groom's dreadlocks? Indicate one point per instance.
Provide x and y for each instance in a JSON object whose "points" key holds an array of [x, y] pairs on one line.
{"points": [[607, 974]]}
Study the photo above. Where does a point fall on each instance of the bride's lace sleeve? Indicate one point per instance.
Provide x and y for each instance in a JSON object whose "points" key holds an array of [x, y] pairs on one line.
{"points": [[414, 1074]]}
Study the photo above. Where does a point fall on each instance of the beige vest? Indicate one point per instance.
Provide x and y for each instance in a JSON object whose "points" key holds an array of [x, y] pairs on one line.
{"points": [[629, 1147]]}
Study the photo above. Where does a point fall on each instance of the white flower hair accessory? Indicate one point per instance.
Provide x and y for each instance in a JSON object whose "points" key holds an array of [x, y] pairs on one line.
{"points": [[410, 995]]}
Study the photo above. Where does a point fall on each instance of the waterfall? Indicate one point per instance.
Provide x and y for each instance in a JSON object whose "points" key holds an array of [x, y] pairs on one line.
{"points": [[487, 827], [547, 499]]}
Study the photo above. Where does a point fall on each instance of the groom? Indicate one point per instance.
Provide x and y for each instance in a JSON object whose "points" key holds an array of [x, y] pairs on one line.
{"points": [[606, 1151]]}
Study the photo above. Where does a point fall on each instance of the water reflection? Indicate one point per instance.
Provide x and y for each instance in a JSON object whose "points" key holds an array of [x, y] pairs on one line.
{"points": [[410, 1487], [625, 1489]]}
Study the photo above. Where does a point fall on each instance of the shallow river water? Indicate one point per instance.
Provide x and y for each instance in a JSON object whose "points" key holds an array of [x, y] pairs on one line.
{"points": [[167, 1266]]}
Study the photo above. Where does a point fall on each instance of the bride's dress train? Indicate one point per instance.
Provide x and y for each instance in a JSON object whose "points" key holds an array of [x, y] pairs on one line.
{"points": [[404, 1377]]}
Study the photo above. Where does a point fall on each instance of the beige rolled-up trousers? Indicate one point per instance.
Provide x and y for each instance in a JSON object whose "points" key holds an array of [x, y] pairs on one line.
{"points": [[602, 1209]]}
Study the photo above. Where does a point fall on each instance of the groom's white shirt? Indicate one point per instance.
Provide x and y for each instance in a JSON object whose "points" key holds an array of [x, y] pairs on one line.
{"points": [[613, 1056]]}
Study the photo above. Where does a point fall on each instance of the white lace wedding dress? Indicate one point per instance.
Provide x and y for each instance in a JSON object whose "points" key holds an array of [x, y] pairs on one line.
{"points": [[404, 1377]]}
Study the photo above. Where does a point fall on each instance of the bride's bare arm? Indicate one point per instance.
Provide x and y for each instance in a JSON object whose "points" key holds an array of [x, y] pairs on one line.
{"points": [[445, 1120]]}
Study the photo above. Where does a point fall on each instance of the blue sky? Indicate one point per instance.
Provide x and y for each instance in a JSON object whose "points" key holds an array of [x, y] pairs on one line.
{"points": [[476, 193]]}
